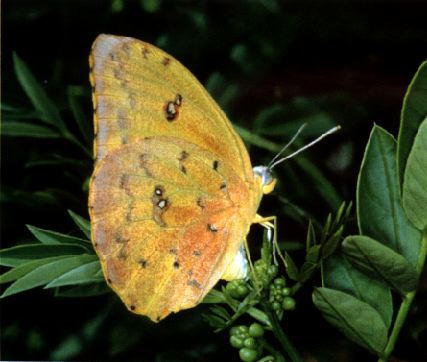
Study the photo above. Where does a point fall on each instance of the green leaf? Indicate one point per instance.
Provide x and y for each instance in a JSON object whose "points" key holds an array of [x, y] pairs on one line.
{"points": [[53, 237], [414, 192], [21, 254], [339, 274], [356, 319], [46, 273], [331, 243], [291, 268], [414, 111], [310, 239], [214, 296], [82, 223], [86, 273], [256, 140], [23, 269], [85, 127], [48, 111], [379, 210], [22, 129], [376, 259], [310, 264]]}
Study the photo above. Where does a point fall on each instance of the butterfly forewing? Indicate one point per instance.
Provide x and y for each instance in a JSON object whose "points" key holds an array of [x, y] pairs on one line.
{"points": [[141, 91]]}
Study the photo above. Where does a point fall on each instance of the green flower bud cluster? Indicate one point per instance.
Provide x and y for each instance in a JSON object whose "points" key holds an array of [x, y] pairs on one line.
{"points": [[264, 273], [237, 289], [280, 296], [247, 340]]}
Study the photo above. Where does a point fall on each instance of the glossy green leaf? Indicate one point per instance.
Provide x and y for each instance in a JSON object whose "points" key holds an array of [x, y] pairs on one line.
{"points": [[82, 223], [23, 129], [46, 273], [37, 95], [86, 273], [374, 258], [379, 210], [24, 268], [356, 319], [339, 274], [53, 237], [414, 193], [21, 254], [414, 111]]}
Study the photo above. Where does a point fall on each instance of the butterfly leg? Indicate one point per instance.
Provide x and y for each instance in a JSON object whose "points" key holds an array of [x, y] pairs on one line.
{"points": [[266, 222]]}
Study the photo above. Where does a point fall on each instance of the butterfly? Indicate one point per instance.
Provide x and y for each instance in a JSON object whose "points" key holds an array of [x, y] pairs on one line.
{"points": [[173, 193]]}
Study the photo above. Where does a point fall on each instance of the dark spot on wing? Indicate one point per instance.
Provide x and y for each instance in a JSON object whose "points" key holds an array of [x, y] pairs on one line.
{"points": [[194, 283], [132, 307], [215, 165], [145, 52], [119, 238], [166, 61], [176, 265], [183, 169], [124, 183], [183, 155], [173, 251], [172, 108], [201, 202], [143, 263], [143, 163], [223, 186], [197, 252]]}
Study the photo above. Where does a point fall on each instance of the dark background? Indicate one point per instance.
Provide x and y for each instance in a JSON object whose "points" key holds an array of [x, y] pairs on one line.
{"points": [[326, 62]]}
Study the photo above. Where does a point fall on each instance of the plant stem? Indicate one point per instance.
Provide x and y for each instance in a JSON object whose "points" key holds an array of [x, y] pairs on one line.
{"points": [[405, 306], [280, 335]]}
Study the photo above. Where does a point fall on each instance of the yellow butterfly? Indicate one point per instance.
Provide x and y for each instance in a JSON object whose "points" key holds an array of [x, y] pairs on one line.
{"points": [[173, 193]]}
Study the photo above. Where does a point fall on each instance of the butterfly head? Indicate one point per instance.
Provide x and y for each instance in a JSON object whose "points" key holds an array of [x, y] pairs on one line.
{"points": [[268, 182]]}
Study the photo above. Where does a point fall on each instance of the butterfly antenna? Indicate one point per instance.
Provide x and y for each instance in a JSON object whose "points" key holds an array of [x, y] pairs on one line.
{"points": [[332, 130], [287, 145]]}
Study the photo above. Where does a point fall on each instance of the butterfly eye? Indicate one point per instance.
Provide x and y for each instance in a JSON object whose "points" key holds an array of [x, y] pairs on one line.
{"points": [[268, 182]]}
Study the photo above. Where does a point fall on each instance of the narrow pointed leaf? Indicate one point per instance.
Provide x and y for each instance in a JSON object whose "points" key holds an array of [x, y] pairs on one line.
{"points": [[414, 192], [21, 254], [53, 237], [82, 223], [23, 269], [356, 319], [46, 273], [23, 129], [85, 126], [37, 95], [291, 268], [86, 273]]}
